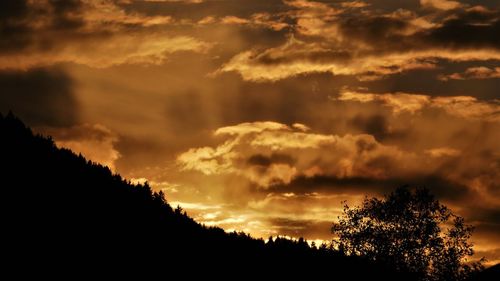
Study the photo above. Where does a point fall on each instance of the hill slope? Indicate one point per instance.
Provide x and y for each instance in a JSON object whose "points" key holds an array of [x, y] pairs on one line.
{"points": [[62, 213]]}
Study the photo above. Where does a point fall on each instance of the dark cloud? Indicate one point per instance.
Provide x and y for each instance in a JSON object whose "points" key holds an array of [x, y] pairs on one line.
{"points": [[86, 32], [472, 29], [67, 14], [486, 3], [197, 11], [442, 188], [376, 125], [17, 29], [226, 100], [13, 30], [456, 29], [465, 29], [12, 9], [488, 218], [190, 108], [425, 81], [376, 28], [391, 5], [266, 161], [320, 56], [42, 97]]}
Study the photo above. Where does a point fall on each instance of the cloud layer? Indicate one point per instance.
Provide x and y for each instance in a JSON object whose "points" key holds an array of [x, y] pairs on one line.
{"points": [[93, 33]]}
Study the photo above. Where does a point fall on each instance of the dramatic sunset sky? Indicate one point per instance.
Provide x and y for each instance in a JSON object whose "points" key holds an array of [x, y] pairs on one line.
{"points": [[263, 115]]}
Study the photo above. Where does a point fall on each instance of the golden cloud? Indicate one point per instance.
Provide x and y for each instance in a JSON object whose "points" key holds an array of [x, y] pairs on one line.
{"points": [[269, 153], [105, 13], [209, 160], [399, 102], [443, 152], [441, 4], [480, 72], [370, 45], [253, 127], [297, 57], [142, 48], [96, 34], [354, 4], [460, 106]]}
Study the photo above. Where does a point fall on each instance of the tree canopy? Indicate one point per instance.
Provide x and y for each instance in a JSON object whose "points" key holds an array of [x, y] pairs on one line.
{"points": [[411, 230]]}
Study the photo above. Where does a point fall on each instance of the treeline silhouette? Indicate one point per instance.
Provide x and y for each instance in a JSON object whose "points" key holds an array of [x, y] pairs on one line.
{"points": [[63, 215]]}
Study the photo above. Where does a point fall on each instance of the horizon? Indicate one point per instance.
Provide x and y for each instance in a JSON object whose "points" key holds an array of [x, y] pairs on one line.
{"points": [[263, 116]]}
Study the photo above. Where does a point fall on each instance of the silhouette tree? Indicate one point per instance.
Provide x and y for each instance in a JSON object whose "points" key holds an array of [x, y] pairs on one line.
{"points": [[410, 230]]}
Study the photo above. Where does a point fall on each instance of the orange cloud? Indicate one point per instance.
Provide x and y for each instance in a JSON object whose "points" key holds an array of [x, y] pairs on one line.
{"points": [[369, 46], [297, 58], [441, 4], [253, 127], [142, 48], [399, 102], [480, 72], [99, 36], [209, 160], [460, 106], [269, 155], [99, 13], [443, 152], [354, 4]]}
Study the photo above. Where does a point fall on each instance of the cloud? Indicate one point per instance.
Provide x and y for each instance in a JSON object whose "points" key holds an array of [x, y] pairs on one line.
{"points": [[370, 46], [443, 152], [286, 164], [469, 107], [279, 155], [124, 49], [93, 33], [440, 4], [460, 106], [254, 127], [471, 28], [399, 102], [185, 1], [299, 58], [41, 97], [262, 20], [480, 72], [377, 125], [354, 4], [445, 189], [97, 13], [208, 160], [95, 142], [194, 11], [301, 127]]}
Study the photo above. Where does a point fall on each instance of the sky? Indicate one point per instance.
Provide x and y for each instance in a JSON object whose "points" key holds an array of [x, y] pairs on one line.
{"points": [[264, 115]]}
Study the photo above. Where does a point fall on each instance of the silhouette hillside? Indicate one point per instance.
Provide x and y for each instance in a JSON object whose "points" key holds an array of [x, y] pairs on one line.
{"points": [[64, 215]]}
